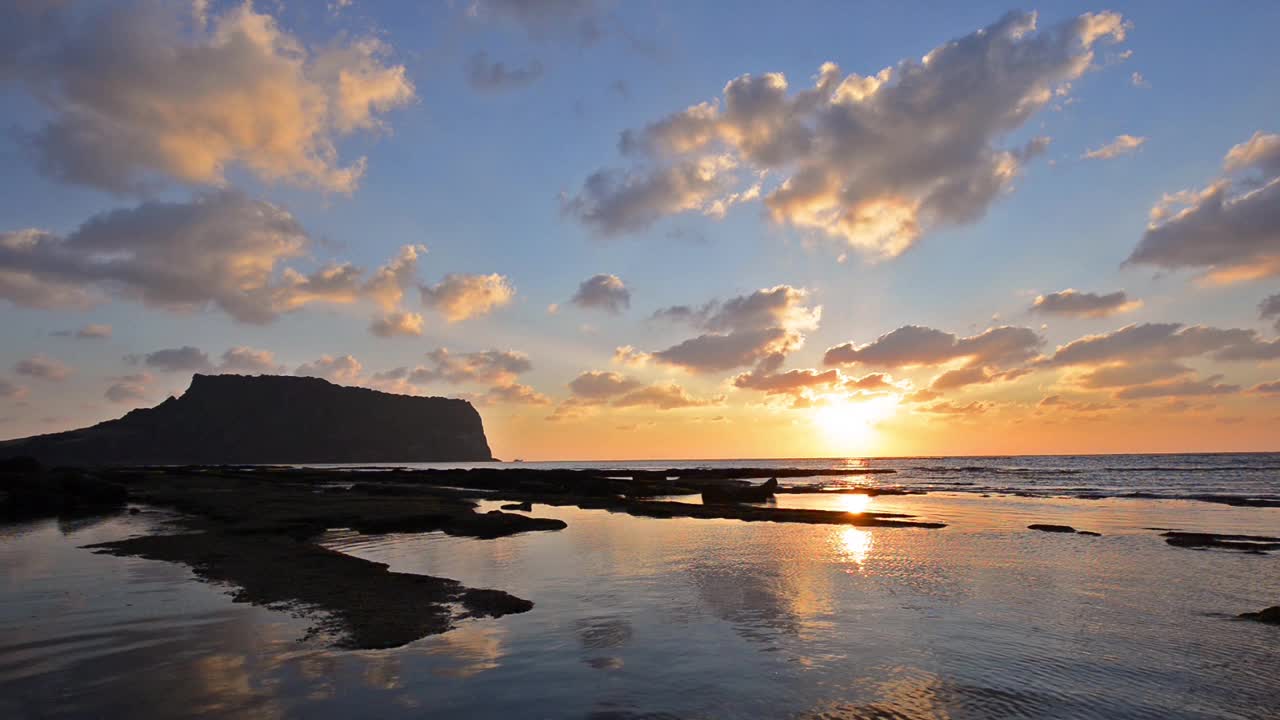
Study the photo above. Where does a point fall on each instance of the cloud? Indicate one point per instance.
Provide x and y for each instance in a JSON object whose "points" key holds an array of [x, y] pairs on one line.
{"points": [[141, 91], [955, 409], [514, 394], [593, 389], [613, 202], [391, 281], [128, 389], [249, 360], [1151, 342], [579, 20], [600, 385], [87, 332], [221, 249], [460, 297], [334, 283], [1057, 403], [1266, 388], [1230, 229], [43, 367], [1138, 81], [1135, 373], [1122, 145], [685, 313], [1269, 309], [915, 345], [807, 386], [628, 356], [923, 395], [240, 358], [664, 396], [1260, 152], [482, 74], [498, 367], [789, 382], [604, 292], [11, 390], [183, 359], [343, 368], [1084, 304], [763, 326], [973, 375], [875, 161], [1178, 388], [26, 289], [715, 352], [397, 324]]}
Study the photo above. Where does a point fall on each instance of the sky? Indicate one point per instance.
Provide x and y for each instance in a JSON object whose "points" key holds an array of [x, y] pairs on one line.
{"points": [[652, 229]]}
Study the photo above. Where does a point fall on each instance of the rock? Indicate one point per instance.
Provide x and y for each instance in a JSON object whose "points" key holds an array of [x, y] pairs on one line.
{"points": [[756, 513], [1245, 543], [749, 493], [1271, 615], [266, 419], [525, 506], [369, 608], [496, 524], [19, 464], [1051, 528], [60, 492], [1061, 529]]}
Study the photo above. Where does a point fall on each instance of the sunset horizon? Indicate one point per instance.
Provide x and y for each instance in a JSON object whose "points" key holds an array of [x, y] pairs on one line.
{"points": [[689, 278], [622, 359]]}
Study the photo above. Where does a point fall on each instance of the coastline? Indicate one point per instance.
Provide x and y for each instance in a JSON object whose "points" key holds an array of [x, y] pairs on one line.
{"points": [[689, 617]]}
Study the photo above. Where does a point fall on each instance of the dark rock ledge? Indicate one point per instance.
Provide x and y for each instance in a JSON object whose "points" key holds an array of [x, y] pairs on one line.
{"points": [[1270, 616], [256, 529], [258, 535], [1042, 527]]}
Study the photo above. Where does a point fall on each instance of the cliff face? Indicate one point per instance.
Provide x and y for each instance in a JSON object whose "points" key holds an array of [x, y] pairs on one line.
{"points": [[240, 419]]}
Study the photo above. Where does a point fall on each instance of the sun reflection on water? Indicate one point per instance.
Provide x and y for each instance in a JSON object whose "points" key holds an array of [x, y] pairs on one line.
{"points": [[854, 502], [853, 545]]}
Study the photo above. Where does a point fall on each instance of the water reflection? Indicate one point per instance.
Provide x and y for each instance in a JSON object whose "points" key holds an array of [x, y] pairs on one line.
{"points": [[601, 634], [472, 648], [853, 545], [912, 693], [638, 617], [854, 502]]}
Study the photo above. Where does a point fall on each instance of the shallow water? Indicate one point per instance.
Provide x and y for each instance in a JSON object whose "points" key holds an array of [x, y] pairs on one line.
{"points": [[641, 617]]}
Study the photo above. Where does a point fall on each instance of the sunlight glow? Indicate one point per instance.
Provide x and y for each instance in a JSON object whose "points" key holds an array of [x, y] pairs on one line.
{"points": [[854, 502], [854, 544], [850, 426]]}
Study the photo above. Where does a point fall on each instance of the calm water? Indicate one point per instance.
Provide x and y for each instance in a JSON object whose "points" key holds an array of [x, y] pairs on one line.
{"points": [[639, 617]]}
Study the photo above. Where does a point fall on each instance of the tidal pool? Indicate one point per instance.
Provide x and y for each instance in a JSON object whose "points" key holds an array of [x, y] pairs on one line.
{"points": [[640, 617]]}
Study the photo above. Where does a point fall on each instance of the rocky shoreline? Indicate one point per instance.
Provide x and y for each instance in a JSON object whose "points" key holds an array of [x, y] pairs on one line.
{"points": [[256, 528]]}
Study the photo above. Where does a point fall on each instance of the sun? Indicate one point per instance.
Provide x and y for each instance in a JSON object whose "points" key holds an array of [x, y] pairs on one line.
{"points": [[851, 426]]}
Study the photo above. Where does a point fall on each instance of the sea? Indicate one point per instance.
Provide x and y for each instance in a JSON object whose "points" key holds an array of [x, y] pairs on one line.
{"points": [[685, 618]]}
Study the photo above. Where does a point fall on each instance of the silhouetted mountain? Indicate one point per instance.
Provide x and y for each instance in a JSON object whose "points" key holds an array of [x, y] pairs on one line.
{"points": [[241, 419]]}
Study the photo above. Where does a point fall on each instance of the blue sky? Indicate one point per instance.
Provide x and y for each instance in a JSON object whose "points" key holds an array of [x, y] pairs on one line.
{"points": [[481, 176]]}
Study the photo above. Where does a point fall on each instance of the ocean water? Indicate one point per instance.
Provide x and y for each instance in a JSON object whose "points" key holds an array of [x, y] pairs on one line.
{"points": [[681, 618], [1239, 475]]}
